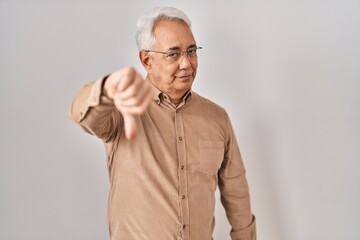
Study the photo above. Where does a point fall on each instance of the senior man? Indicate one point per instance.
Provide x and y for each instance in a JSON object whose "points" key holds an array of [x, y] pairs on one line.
{"points": [[167, 147]]}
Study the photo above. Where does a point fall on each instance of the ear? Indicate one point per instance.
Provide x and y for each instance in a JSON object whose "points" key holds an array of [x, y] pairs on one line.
{"points": [[145, 60]]}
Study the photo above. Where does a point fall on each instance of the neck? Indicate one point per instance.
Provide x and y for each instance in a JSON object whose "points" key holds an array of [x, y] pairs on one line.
{"points": [[175, 97], [176, 101]]}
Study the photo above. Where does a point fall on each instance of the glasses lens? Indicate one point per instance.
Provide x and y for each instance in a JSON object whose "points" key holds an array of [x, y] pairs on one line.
{"points": [[172, 56]]}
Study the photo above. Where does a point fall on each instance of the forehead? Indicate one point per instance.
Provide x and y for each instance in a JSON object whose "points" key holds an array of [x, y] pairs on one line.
{"points": [[171, 34]]}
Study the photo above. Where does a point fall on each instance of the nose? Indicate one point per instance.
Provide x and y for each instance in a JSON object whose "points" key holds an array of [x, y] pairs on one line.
{"points": [[184, 61]]}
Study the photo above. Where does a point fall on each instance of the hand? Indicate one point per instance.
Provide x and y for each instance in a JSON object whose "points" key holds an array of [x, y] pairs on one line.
{"points": [[131, 96]]}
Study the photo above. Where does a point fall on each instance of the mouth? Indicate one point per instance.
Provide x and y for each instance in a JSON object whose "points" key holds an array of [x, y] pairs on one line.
{"points": [[184, 76]]}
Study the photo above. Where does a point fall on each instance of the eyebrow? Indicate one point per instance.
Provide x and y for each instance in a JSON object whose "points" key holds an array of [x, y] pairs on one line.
{"points": [[178, 48]]}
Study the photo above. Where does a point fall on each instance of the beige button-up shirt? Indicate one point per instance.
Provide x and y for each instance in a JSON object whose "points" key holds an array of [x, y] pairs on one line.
{"points": [[162, 183]]}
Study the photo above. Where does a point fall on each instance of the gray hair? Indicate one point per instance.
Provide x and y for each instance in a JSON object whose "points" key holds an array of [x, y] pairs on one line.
{"points": [[146, 23]]}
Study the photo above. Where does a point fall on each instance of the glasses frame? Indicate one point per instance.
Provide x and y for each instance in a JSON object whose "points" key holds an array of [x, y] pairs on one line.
{"points": [[182, 53]]}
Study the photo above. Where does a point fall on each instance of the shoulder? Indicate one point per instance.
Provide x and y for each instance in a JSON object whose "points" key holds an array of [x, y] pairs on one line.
{"points": [[209, 116], [207, 104]]}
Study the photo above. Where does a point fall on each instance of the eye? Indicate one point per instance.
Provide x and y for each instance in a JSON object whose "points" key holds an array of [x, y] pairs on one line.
{"points": [[173, 55], [191, 52]]}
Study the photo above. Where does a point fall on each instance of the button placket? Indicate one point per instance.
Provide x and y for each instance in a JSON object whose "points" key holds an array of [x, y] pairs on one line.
{"points": [[181, 152]]}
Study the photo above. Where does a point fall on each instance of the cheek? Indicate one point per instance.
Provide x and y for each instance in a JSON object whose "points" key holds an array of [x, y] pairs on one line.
{"points": [[194, 66], [194, 63], [164, 74], [170, 70], [159, 70]]}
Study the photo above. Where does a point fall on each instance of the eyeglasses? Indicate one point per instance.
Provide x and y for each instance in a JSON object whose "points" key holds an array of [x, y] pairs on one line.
{"points": [[174, 55]]}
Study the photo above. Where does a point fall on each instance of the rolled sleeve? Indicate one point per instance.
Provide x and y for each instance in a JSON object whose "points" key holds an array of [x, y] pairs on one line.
{"points": [[94, 112], [248, 233], [88, 96]]}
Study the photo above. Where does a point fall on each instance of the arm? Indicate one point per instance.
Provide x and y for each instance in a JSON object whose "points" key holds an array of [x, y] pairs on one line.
{"points": [[235, 192], [95, 112], [105, 106]]}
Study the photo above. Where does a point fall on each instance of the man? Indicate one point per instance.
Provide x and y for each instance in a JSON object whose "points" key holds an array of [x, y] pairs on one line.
{"points": [[167, 147]]}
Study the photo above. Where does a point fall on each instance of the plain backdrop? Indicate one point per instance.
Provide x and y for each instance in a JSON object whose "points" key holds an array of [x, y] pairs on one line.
{"points": [[288, 73]]}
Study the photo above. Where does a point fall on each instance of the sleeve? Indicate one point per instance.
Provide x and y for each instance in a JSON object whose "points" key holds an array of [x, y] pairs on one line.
{"points": [[234, 191], [96, 113]]}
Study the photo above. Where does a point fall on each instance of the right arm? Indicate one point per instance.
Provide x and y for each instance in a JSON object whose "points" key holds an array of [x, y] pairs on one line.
{"points": [[103, 107]]}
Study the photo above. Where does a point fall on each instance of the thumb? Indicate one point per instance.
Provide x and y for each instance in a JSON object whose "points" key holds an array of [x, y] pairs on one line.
{"points": [[130, 126]]}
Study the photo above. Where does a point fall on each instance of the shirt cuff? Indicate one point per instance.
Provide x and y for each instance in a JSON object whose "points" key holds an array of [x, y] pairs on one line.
{"points": [[89, 96], [248, 233]]}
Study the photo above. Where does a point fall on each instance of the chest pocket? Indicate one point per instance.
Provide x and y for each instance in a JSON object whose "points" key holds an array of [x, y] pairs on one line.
{"points": [[211, 156]]}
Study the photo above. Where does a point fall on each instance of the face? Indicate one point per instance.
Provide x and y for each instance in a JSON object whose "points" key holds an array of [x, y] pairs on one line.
{"points": [[172, 78]]}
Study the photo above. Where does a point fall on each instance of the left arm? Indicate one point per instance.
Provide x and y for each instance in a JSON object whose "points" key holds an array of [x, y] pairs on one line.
{"points": [[234, 191]]}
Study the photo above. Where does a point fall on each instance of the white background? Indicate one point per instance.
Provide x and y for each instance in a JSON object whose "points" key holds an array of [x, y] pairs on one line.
{"points": [[288, 73]]}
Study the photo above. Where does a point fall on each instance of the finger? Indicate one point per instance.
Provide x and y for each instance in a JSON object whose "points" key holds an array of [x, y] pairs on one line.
{"points": [[126, 79], [140, 95], [132, 88], [117, 80], [110, 86], [130, 126], [135, 110]]}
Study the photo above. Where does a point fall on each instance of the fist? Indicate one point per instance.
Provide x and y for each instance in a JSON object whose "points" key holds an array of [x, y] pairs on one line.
{"points": [[131, 96]]}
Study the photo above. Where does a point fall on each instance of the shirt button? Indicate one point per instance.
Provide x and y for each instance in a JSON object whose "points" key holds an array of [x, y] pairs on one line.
{"points": [[182, 167], [177, 110], [180, 138], [157, 101], [183, 196], [184, 226]]}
